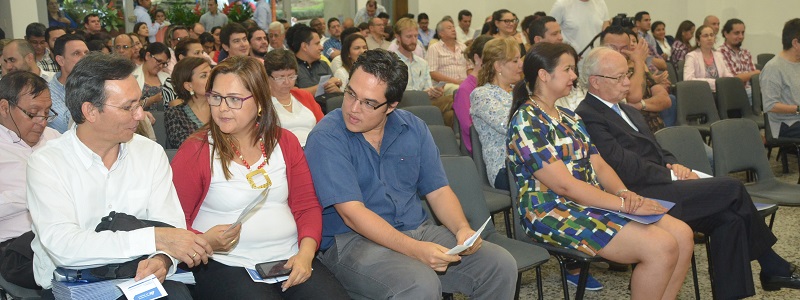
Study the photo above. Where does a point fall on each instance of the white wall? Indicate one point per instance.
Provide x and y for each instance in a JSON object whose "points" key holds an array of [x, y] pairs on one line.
{"points": [[764, 18], [24, 12]]}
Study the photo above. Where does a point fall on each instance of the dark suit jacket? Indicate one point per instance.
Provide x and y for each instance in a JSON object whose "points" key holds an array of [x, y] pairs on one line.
{"points": [[669, 39], [634, 155]]}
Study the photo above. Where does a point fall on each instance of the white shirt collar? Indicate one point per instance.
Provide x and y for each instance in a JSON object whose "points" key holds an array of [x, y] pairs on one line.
{"points": [[87, 156]]}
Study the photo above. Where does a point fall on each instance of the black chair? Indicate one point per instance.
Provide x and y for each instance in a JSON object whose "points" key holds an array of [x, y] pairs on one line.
{"points": [[672, 73], [498, 200], [12, 291], [445, 140], [755, 86], [465, 182], [457, 131], [738, 147], [428, 113], [763, 58], [414, 98], [783, 143], [696, 106], [334, 103], [171, 153], [679, 70], [160, 128], [733, 102]]}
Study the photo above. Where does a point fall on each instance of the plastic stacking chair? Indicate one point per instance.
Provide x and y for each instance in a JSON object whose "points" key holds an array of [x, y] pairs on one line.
{"points": [[160, 128], [498, 200], [679, 70], [738, 147], [445, 140], [763, 58], [733, 102], [755, 86], [334, 103], [171, 153], [12, 291], [696, 106], [672, 73], [465, 182], [414, 98], [781, 143], [428, 113]]}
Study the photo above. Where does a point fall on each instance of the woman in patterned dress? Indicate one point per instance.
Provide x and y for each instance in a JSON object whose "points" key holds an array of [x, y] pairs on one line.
{"points": [[190, 110], [559, 173]]}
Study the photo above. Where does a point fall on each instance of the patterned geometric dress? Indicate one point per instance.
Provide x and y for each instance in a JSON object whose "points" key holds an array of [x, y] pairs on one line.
{"points": [[534, 140]]}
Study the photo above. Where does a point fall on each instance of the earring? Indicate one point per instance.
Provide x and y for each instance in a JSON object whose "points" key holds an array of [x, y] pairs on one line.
{"points": [[191, 93], [500, 73], [259, 111]]}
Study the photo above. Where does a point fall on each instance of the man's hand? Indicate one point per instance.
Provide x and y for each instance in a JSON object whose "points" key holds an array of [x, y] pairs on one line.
{"points": [[220, 240], [435, 92], [156, 265], [332, 85], [681, 172], [433, 255], [462, 235], [183, 245], [639, 52], [662, 78]]}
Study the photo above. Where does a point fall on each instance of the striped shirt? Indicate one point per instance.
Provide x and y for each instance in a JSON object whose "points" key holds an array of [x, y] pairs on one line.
{"points": [[450, 63], [57, 94]]}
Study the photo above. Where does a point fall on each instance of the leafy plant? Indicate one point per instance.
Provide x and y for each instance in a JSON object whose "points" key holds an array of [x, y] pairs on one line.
{"points": [[182, 14], [110, 17], [238, 13]]}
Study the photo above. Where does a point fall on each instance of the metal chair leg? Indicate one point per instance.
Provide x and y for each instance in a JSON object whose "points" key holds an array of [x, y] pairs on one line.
{"points": [[694, 278], [563, 266], [507, 221], [582, 278], [539, 285]]}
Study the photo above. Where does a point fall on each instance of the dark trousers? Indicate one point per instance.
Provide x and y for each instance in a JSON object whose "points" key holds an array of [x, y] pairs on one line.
{"points": [[790, 131], [721, 208], [219, 281], [175, 291]]}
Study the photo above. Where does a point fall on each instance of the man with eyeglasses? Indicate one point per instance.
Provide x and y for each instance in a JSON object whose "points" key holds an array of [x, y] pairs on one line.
{"points": [[371, 10], [103, 166], [446, 58], [18, 55], [719, 207], [580, 20], [24, 113], [68, 50], [370, 162], [425, 33], [277, 36], [178, 33], [375, 38], [123, 45]]}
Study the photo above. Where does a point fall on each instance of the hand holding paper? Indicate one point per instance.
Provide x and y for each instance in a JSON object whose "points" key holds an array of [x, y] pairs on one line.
{"points": [[469, 242]]}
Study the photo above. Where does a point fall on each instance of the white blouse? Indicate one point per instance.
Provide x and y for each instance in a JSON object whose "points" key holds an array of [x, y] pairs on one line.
{"points": [[299, 121], [665, 47]]}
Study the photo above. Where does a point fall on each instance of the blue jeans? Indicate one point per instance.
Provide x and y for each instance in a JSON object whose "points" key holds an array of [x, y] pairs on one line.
{"points": [[670, 115]]}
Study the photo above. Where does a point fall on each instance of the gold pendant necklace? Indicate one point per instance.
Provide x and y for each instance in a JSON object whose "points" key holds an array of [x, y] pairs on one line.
{"points": [[258, 174]]}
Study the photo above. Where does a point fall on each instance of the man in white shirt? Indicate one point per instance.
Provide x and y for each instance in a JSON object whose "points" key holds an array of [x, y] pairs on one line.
{"points": [[103, 166], [580, 20], [277, 36], [18, 56], [464, 32], [446, 58], [419, 77], [263, 14], [212, 18], [372, 10], [143, 16], [24, 112]]}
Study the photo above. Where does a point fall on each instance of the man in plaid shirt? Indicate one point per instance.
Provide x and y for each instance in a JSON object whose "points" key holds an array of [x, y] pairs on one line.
{"points": [[739, 60]]}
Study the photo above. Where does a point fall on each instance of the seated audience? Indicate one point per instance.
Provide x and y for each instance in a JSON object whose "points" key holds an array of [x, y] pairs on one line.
{"points": [[153, 81], [446, 58], [371, 10], [137, 47], [663, 41], [102, 166], [738, 59], [189, 111], [655, 63], [704, 62], [375, 37], [188, 47], [215, 180], [333, 46], [48, 62], [196, 30], [353, 46], [490, 104], [68, 49], [682, 43], [233, 38], [557, 186], [419, 74], [296, 108], [25, 109], [215, 32], [780, 84], [277, 36], [142, 33], [425, 33], [504, 25], [123, 46], [259, 44], [336, 62], [304, 42], [376, 237], [461, 100], [18, 55], [464, 32]]}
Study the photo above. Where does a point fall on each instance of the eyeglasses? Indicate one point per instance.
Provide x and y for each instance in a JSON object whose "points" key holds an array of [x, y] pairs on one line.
{"points": [[289, 78], [52, 115], [133, 108], [618, 79], [231, 101], [163, 64], [510, 21], [350, 95], [126, 47]]}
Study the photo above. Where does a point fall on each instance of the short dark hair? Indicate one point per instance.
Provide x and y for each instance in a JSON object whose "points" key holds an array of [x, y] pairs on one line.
{"points": [[96, 45], [383, 15], [182, 73], [348, 31], [183, 47], [639, 15], [363, 26], [477, 47], [655, 24], [464, 13], [86, 18], [729, 25], [791, 31], [155, 48], [206, 37], [422, 16], [331, 20], [388, 68], [279, 59], [228, 30], [61, 43], [14, 84], [297, 35], [215, 29], [51, 29], [87, 81], [251, 31], [35, 30], [613, 30], [539, 27]]}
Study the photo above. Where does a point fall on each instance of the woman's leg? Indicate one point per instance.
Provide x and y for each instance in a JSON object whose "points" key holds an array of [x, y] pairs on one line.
{"points": [[654, 249], [684, 236]]}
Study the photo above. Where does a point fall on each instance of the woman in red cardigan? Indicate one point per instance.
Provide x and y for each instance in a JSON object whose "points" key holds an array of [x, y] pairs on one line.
{"points": [[220, 170], [297, 110]]}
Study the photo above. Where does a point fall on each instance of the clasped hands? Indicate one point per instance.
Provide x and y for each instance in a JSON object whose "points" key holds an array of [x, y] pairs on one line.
{"points": [[638, 205]]}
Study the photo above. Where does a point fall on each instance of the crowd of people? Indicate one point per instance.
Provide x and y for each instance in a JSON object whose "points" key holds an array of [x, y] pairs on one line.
{"points": [[245, 105]]}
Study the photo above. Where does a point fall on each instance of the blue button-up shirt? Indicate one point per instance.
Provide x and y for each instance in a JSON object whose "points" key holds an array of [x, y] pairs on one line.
{"points": [[57, 93], [345, 167], [331, 43]]}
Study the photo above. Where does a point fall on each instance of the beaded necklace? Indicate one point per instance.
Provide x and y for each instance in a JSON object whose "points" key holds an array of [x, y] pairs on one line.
{"points": [[258, 171], [535, 103]]}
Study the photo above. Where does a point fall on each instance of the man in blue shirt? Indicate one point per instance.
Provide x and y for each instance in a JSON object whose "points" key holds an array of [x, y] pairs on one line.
{"points": [[370, 162]]}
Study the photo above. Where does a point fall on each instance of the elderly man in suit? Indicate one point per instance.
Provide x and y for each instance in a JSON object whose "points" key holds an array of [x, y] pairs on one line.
{"points": [[719, 207]]}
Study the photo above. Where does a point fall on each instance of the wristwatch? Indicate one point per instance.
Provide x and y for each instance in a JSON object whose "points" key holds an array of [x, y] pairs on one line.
{"points": [[797, 110], [644, 105]]}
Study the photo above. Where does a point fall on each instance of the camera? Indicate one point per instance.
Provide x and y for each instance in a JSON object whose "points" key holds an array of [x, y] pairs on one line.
{"points": [[622, 20]]}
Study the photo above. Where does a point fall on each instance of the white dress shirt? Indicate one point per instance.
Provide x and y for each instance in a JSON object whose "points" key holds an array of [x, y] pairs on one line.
{"points": [[14, 153], [70, 190]]}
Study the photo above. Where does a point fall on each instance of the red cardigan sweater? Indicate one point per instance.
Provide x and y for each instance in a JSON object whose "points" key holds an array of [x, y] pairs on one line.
{"points": [[191, 170], [308, 101]]}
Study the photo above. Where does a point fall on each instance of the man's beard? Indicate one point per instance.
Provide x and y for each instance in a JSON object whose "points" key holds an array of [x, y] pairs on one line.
{"points": [[409, 48], [258, 53]]}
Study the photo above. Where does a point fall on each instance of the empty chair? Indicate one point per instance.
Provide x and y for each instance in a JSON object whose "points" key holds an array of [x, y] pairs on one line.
{"points": [[334, 103], [733, 102], [673, 76], [160, 127], [738, 147], [445, 140], [429, 113], [755, 86], [781, 143], [696, 105], [497, 200], [465, 182], [414, 98], [679, 70], [763, 58]]}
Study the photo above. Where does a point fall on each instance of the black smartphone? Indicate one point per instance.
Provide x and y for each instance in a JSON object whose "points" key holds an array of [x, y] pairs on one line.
{"points": [[272, 269]]}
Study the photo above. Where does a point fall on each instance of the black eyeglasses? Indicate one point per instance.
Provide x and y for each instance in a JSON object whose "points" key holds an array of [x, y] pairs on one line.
{"points": [[231, 101], [618, 79], [163, 64], [52, 115], [350, 95], [510, 21]]}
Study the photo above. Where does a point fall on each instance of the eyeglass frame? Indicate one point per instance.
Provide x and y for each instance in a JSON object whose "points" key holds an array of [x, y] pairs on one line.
{"points": [[163, 64], [352, 94], [48, 117], [284, 79], [126, 47], [509, 22], [211, 95], [617, 79], [133, 109]]}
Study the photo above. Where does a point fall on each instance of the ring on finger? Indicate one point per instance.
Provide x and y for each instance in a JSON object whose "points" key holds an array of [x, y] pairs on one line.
{"points": [[195, 254]]}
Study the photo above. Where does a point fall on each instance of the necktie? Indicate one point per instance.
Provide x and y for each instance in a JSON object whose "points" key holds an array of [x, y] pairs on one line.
{"points": [[616, 109]]}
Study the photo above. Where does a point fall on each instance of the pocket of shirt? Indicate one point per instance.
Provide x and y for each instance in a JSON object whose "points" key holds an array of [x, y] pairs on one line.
{"points": [[402, 172]]}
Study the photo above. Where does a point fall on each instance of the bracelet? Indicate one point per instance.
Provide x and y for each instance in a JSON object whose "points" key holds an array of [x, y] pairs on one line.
{"points": [[620, 192], [644, 105], [621, 206]]}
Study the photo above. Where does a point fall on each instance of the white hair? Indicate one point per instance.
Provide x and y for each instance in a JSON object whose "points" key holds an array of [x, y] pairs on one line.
{"points": [[591, 64]]}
